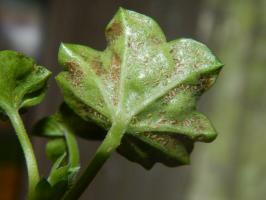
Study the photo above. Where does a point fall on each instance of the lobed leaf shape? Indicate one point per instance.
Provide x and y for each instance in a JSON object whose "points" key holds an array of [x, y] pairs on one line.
{"points": [[144, 82], [22, 82]]}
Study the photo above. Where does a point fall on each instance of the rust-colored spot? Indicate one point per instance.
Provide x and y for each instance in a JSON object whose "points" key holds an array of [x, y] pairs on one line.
{"points": [[116, 67], [174, 122], [134, 120], [199, 124], [114, 31], [200, 128], [75, 73], [113, 76], [158, 138], [90, 113], [97, 66], [172, 93], [162, 121], [155, 40], [206, 82]]}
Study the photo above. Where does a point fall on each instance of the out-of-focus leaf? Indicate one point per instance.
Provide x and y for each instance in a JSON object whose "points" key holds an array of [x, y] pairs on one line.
{"points": [[45, 191], [62, 149], [55, 148], [65, 120], [22, 82], [147, 85]]}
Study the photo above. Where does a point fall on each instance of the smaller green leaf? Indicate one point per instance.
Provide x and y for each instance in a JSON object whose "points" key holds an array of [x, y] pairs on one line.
{"points": [[62, 148], [59, 173], [55, 148], [44, 190], [22, 82]]}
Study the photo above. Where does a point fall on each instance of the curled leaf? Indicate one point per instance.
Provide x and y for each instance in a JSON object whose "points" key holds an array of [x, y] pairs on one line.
{"points": [[22, 82], [145, 84]]}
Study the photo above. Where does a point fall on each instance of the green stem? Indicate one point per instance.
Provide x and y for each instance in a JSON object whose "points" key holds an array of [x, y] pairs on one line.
{"points": [[32, 167], [109, 144], [72, 148]]}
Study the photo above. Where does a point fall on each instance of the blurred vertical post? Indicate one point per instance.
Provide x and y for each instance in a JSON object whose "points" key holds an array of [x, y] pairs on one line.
{"points": [[233, 167]]}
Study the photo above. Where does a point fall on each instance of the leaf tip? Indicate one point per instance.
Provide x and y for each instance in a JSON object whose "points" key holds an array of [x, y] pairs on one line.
{"points": [[64, 52]]}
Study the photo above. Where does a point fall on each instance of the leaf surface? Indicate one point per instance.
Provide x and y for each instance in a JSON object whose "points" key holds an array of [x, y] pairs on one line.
{"points": [[149, 85], [22, 81]]}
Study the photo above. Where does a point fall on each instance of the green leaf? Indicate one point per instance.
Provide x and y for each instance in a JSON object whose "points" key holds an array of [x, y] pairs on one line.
{"points": [[22, 82], [55, 148], [44, 190], [145, 84], [62, 148]]}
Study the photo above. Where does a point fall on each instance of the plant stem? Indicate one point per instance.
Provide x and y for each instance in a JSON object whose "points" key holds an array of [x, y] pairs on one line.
{"points": [[109, 144], [72, 148], [32, 167]]}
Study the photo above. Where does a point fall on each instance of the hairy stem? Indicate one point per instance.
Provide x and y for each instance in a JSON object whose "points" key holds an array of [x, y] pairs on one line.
{"points": [[32, 167], [109, 144]]}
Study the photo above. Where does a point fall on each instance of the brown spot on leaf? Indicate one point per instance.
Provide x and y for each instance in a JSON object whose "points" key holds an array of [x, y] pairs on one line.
{"points": [[134, 120], [206, 82], [114, 75], [172, 93], [75, 73], [114, 31], [158, 138], [97, 66], [116, 67], [155, 40], [90, 113]]}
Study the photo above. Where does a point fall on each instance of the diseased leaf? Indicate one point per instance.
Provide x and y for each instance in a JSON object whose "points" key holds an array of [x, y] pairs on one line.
{"points": [[22, 82], [147, 85]]}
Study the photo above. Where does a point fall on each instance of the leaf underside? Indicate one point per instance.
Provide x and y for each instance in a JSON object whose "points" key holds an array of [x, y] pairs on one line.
{"points": [[144, 82]]}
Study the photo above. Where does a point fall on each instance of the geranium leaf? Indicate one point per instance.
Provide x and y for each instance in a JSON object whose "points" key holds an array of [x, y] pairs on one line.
{"points": [[22, 82], [22, 85], [145, 84]]}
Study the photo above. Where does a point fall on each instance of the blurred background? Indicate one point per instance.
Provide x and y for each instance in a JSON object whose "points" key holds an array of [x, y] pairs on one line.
{"points": [[232, 167]]}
